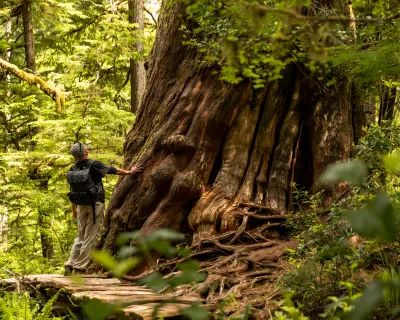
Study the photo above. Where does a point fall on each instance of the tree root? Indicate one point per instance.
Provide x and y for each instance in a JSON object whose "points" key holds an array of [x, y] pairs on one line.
{"points": [[242, 265]]}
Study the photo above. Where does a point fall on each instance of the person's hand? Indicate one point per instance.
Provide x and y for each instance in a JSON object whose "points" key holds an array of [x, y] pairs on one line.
{"points": [[136, 169]]}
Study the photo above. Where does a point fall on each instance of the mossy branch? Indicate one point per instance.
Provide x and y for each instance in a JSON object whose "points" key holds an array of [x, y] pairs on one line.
{"points": [[55, 93]]}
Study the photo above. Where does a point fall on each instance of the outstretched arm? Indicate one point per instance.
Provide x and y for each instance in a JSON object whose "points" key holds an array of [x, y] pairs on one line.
{"points": [[135, 169]]}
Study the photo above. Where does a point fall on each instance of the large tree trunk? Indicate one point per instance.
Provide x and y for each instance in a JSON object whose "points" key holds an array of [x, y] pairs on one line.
{"points": [[209, 146]]}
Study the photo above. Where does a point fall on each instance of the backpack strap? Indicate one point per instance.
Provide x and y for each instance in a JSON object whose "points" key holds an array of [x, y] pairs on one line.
{"points": [[93, 204], [94, 212], [76, 167]]}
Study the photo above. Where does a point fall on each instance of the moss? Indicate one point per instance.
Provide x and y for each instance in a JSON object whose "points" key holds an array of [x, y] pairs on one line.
{"points": [[55, 93]]}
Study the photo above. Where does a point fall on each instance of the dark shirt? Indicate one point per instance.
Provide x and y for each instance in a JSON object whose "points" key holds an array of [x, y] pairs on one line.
{"points": [[98, 170]]}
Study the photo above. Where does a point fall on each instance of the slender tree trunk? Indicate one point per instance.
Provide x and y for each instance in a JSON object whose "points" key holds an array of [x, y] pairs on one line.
{"points": [[138, 73], [45, 238], [211, 149], [4, 230], [44, 222], [387, 104], [28, 35]]}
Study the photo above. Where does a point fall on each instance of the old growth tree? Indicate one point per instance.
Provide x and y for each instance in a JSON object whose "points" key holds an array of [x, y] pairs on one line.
{"points": [[209, 146]]}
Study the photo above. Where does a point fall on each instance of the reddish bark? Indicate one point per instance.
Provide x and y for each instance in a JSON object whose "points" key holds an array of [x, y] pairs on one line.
{"points": [[208, 146]]}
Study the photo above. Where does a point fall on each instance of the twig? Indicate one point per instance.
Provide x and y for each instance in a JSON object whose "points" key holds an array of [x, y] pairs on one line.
{"points": [[261, 217], [151, 15]]}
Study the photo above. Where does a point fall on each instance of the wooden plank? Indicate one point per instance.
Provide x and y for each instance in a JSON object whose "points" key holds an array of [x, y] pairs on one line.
{"points": [[133, 296], [141, 301], [146, 311]]}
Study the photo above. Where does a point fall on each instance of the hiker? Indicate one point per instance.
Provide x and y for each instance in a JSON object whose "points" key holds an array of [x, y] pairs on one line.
{"points": [[87, 198]]}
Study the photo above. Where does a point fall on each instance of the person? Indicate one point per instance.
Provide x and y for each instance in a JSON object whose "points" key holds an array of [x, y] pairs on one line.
{"points": [[89, 216]]}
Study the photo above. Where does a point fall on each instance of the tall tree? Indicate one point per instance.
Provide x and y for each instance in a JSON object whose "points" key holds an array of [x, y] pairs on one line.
{"points": [[210, 146], [137, 71], [28, 35]]}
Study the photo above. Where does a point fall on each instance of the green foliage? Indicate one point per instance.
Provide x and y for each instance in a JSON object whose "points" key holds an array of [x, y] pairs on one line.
{"points": [[17, 306], [378, 219], [333, 264], [257, 40], [158, 241], [97, 310], [353, 171], [85, 48], [391, 292]]}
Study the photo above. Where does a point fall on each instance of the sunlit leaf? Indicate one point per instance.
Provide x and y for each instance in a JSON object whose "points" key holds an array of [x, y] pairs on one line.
{"points": [[154, 281], [353, 171], [105, 259], [363, 307], [164, 234], [377, 219], [392, 162], [186, 278], [126, 265], [127, 251]]}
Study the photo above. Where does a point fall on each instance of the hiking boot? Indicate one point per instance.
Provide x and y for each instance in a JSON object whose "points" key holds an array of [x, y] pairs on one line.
{"points": [[79, 272], [68, 271]]}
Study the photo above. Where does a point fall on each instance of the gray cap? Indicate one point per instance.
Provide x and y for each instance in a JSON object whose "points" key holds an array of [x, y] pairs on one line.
{"points": [[77, 150]]}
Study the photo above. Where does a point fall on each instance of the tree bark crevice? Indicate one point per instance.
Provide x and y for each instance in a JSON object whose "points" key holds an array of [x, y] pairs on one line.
{"points": [[209, 147]]}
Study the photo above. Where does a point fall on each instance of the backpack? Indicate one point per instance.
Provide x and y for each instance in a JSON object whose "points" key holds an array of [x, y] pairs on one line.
{"points": [[83, 191]]}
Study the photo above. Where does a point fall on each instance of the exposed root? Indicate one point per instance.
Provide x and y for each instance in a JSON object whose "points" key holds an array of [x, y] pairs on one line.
{"points": [[242, 265]]}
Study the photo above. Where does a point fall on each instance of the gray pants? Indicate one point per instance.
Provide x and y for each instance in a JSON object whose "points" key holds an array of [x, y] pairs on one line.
{"points": [[88, 234]]}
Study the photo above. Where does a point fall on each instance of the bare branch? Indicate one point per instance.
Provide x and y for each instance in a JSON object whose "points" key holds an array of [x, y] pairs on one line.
{"points": [[151, 15]]}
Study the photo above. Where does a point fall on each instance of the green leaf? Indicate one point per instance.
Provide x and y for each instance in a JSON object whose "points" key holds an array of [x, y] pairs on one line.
{"points": [[189, 265], [97, 310], [392, 162], [186, 278], [126, 265], [105, 259], [196, 312], [154, 281], [125, 237], [164, 234], [378, 219], [353, 171], [162, 246], [127, 251], [367, 303]]}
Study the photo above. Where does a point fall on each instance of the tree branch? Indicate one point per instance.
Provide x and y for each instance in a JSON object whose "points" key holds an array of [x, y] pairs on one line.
{"points": [[151, 15], [55, 93], [292, 14]]}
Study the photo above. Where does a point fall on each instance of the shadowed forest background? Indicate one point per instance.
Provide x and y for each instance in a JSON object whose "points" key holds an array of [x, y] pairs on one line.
{"points": [[236, 109]]}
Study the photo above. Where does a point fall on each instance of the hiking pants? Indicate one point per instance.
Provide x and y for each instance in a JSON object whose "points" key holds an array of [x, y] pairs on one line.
{"points": [[88, 234]]}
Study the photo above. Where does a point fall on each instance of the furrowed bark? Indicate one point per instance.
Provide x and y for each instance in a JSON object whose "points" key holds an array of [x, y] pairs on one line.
{"points": [[213, 150], [28, 35]]}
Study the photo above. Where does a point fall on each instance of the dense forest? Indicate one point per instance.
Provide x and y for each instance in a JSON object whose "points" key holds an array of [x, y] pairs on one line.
{"points": [[269, 136]]}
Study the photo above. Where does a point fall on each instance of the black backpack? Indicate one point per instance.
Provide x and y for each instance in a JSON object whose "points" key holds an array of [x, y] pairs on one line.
{"points": [[83, 191]]}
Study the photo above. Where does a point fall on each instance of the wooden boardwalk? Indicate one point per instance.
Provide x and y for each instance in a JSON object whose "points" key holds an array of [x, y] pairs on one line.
{"points": [[138, 301]]}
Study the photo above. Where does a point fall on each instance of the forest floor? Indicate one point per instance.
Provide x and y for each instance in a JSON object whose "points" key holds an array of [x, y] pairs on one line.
{"points": [[243, 266], [242, 270]]}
